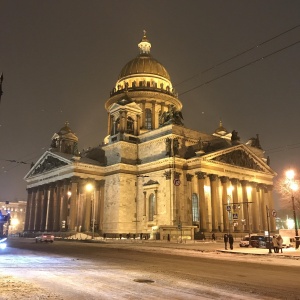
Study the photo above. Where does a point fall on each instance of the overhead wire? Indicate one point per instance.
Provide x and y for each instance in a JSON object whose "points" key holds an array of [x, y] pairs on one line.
{"points": [[237, 55], [19, 162], [239, 68]]}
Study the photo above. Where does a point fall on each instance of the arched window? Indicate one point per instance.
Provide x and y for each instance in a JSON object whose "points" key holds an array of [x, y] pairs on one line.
{"points": [[151, 207], [148, 118], [195, 207]]}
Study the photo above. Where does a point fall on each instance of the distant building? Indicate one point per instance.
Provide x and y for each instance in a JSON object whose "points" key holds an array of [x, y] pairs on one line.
{"points": [[16, 211], [152, 175]]}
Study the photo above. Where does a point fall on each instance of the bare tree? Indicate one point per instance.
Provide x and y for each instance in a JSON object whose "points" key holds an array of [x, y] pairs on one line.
{"points": [[282, 187]]}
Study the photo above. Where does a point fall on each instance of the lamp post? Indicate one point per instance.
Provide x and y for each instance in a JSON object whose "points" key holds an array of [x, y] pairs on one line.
{"points": [[89, 187], [1, 91], [69, 193], [268, 222], [293, 186]]}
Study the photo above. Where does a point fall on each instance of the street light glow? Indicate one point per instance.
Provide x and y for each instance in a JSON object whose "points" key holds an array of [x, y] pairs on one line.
{"points": [[294, 186], [230, 189], [290, 174], [89, 187], [14, 222]]}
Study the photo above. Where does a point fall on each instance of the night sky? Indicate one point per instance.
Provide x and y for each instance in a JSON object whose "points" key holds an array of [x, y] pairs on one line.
{"points": [[61, 59]]}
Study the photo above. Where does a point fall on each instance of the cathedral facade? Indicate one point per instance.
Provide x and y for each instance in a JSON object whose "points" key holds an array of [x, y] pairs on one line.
{"points": [[152, 176]]}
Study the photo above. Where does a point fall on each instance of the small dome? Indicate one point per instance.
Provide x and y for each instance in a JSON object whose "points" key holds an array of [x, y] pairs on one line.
{"points": [[65, 129], [66, 132], [221, 130]]}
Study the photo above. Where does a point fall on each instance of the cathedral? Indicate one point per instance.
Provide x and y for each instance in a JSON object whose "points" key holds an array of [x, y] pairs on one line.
{"points": [[152, 177]]}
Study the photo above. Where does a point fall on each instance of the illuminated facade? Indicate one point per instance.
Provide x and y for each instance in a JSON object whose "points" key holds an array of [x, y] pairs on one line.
{"points": [[17, 211], [152, 176]]}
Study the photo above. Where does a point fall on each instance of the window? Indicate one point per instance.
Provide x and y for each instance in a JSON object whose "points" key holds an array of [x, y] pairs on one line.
{"points": [[195, 208], [130, 125], [148, 118], [151, 207]]}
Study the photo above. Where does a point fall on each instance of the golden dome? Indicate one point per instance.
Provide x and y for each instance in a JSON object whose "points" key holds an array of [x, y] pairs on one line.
{"points": [[144, 63]]}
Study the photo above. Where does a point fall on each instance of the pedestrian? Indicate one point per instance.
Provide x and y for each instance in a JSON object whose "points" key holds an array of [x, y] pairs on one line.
{"points": [[275, 244], [279, 243], [225, 240], [230, 240], [213, 237]]}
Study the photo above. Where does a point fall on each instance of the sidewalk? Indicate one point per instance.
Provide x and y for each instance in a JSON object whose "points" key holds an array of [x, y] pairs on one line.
{"points": [[205, 246], [287, 252]]}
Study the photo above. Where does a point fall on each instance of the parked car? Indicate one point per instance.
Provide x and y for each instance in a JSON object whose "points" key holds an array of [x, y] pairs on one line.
{"points": [[258, 241], [245, 241], [3, 242], [45, 237]]}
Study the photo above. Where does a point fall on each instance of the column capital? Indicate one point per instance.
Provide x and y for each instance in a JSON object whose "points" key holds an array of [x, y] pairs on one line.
{"points": [[200, 175], [189, 177], [213, 177], [67, 181], [244, 183], [224, 179], [253, 184], [234, 181], [168, 175]]}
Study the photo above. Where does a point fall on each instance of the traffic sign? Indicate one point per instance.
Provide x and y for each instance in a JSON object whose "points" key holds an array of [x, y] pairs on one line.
{"points": [[176, 181], [235, 216]]}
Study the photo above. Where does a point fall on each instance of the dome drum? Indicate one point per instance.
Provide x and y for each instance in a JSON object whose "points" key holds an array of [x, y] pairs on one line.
{"points": [[143, 85]]}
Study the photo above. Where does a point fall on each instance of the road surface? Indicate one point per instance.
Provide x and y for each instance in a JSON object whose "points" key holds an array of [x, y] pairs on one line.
{"points": [[76, 270]]}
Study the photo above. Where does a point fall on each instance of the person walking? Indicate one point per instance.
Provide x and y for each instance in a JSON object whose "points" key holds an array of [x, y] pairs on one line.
{"points": [[213, 237], [279, 243], [225, 240], [230, 240], [275, 244]]}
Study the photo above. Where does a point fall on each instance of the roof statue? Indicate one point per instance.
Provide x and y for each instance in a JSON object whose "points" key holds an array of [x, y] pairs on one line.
{"points": [[234, 136], [172, 116], [254, 142]]}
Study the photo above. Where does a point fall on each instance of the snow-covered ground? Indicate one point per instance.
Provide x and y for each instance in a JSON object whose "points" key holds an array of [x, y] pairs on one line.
{"points": [[31, 275]]}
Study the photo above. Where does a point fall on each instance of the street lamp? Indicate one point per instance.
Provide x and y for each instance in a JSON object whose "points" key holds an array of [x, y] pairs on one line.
{"points": [[229, 204], [293, 186], [1, 91], [69, 194], [89, 187]]}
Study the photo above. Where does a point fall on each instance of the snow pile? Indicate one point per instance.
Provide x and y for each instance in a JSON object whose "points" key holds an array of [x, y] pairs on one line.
{"points": [[82, 236]]}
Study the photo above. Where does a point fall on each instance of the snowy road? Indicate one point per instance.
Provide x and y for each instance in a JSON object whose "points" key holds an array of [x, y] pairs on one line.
{"points": [[74, 270]]}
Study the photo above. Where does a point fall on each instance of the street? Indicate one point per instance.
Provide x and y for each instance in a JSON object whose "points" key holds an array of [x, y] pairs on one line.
{"points": [[135, 270]]}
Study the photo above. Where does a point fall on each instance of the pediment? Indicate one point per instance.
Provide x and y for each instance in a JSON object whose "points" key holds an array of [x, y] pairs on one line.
{"points": [[129, 107], [239, 156], [48, 162]]}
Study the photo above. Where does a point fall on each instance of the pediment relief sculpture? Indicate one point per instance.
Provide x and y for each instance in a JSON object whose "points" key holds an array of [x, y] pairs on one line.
{"points": [[239, 158], [48, 164]]}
